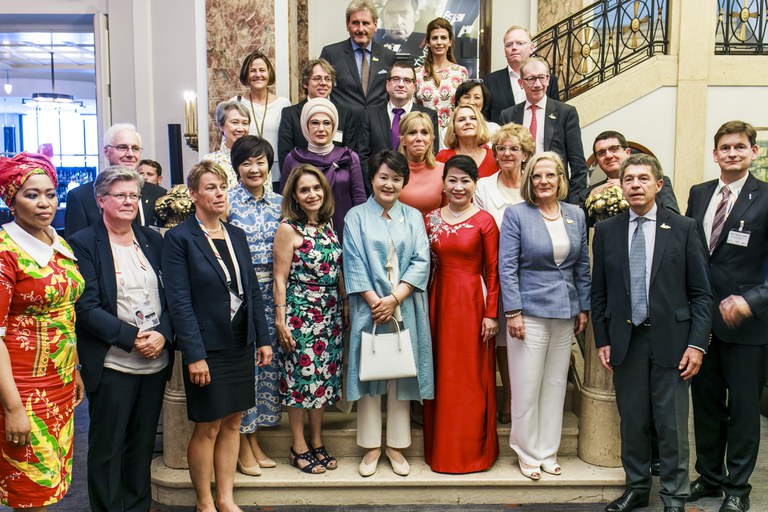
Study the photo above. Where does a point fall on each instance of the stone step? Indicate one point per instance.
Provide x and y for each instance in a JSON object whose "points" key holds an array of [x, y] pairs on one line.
{"points": [[502, 484], [340, 435]]}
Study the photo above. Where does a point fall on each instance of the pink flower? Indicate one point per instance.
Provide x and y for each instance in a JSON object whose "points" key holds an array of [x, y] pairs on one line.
{"points": [[295, 322], [317, 316], [304, 360], [282, 385], [306, 246], [332, 368], [297, 397], [320, 392], [336, 330], [325, 268], [319, 348]]}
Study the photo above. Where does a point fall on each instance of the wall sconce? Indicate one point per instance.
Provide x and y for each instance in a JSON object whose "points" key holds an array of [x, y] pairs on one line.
{"points": [[190, 119], [8, 86]]}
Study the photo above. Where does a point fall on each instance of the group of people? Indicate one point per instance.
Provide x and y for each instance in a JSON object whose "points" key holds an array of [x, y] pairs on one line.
{"points": [[410, 200]]}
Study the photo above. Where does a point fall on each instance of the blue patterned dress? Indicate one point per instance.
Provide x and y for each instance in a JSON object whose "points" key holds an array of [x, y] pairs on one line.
{"points": [[310, 374], [260, 219]]}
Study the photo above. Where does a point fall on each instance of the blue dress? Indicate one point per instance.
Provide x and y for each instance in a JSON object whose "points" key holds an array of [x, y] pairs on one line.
{"points": [[260, 219]]}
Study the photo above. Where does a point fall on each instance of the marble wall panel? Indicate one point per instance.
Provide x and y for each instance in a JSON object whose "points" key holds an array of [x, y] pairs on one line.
{"points": [[553, 11]]}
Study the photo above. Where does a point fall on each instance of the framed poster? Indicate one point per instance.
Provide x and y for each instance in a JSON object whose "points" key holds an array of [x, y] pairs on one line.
{"points": [[759, 167], [403, 24]]}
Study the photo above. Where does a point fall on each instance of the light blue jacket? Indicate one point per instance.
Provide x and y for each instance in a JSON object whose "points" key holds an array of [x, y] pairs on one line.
{"points": [[530, 279]]}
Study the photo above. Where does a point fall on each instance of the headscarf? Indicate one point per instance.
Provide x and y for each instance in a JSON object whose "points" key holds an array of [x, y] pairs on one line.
{"points": [[15, 171], [318, 106]]}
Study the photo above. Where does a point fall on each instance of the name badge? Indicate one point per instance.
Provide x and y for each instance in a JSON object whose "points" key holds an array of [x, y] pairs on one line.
{"points": [[740, 238], [338, 136], [234, 304], [146, 318]]}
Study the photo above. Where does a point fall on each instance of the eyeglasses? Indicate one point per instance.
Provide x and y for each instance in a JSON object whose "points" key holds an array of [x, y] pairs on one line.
{"points": [[317, 124], [506, 149], [530, 80], [550, 176], [321, 79], [510, 44], [123, 148], [126, 197], [401, 80], [612, 149]]}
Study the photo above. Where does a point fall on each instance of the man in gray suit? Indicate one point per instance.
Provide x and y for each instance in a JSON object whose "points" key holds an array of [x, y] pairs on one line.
{"points": [[361, 65], [651, 313]]}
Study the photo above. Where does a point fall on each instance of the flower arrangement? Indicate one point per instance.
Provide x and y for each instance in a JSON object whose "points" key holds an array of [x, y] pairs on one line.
{"points": [[606, 204], [174, 207]]}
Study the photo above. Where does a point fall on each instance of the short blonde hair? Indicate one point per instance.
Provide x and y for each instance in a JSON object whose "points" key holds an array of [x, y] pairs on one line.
{"points": [[526, 186], [483, 133], [518, 131], [410, 122], [197, 171]]}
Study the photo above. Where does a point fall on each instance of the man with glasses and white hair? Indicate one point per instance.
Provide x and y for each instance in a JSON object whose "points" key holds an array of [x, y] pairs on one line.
{"points": [[122, 146], [554, 125], [503, 84]]}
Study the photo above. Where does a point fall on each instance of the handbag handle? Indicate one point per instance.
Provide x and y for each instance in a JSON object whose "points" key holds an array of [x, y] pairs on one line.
{"points": [[373, 336]]}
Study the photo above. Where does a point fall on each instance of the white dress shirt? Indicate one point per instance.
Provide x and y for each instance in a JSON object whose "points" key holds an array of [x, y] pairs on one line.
{"points": [[517, 92], [541, 108], [709, 216], [390, 107]]}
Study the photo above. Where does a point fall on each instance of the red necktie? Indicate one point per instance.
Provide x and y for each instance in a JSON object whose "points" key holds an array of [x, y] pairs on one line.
{"points": [[534, 125]]}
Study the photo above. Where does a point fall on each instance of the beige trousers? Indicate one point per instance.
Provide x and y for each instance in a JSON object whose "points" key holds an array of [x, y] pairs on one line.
{"points": [[398, 420]]}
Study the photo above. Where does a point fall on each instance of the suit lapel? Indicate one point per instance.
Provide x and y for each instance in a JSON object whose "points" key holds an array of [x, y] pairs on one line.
{"points": [[107, 261], [662, 237], [622, 236], [700, 209], [376, 65], [549, 123], [518, 113], [509, 97], [386, 129], [349, 56], [746, 198], [205, 247]]}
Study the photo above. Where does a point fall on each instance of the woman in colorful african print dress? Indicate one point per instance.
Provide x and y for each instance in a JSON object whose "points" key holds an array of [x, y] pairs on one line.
{"points": [[308, 313], [255, 209], [40, 384]]}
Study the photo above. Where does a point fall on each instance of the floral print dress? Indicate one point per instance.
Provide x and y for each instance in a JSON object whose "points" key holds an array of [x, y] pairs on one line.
{"points": [[310, 374], [440, 97], [37, 322]]}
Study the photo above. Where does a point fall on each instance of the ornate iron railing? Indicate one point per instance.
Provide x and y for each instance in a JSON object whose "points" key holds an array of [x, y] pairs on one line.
{"points": [[602, 40], [742, 27]]}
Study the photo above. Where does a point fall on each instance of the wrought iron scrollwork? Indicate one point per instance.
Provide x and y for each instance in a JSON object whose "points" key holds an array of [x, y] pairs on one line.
{"points": [[742, 27], [602, 40]]}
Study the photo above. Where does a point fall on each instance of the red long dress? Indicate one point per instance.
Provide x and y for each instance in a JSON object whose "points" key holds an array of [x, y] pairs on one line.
{"points": [[460, 423]]}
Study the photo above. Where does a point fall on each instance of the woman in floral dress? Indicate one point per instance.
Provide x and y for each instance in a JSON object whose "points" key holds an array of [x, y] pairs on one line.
{"points": [[308, 313], [255, 209], [40, 382], [440, 76]]}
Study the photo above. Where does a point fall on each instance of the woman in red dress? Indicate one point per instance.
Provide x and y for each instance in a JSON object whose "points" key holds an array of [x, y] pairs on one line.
{"points": [[40, 383], [460, 423]]}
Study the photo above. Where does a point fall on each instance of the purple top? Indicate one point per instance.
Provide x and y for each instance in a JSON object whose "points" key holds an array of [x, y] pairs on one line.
{"points": [[341, 168]]}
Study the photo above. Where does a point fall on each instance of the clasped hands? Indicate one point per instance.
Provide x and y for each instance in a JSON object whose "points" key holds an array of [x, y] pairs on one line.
{"points": [[690, 364]]}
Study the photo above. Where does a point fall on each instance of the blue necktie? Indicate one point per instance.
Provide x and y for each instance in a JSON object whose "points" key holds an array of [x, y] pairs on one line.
{"points": [[637, 274]]}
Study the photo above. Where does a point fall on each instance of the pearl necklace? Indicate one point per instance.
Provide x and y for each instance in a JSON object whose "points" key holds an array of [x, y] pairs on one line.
{"points": [[459, 214], [552, 219]]}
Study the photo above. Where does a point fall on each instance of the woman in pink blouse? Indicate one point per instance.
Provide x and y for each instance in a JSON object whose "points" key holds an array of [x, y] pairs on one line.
{"points": [[440, 76], [424, 190]]}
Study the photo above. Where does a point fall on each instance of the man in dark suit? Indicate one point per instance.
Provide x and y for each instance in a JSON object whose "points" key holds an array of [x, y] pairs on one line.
{"points": [[611, 149], [377, 133], [651, 312], [554, 125], [318, 79], [122, 146], [361, 65], [731, 214], [503, 84]]}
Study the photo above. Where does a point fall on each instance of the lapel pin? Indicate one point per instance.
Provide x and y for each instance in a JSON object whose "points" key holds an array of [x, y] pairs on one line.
{"points": [[552, 116], [568, 221], [375, 59], [665, 226]]}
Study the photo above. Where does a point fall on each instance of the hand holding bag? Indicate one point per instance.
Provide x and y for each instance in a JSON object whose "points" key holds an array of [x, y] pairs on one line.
{"points": [[386, 356]]}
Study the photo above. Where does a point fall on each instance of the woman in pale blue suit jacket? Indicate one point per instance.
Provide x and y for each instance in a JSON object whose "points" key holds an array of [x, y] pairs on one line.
{"points": [[544, 273]]}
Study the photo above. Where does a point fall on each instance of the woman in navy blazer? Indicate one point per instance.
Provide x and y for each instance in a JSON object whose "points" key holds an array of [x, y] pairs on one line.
{"points": [[124, 340], [544, 274], [218, 315]]}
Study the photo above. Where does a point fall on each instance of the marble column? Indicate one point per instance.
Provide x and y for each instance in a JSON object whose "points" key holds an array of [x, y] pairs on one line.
{"points": [[177, 429]]}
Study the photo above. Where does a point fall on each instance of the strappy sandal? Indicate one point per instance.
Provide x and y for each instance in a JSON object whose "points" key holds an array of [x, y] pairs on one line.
{"points": [[324, 458], [309, 458]]}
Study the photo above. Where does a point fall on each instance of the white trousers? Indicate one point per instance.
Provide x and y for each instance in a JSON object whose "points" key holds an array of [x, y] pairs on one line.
{"points": [[398, 420], [538, 373]]}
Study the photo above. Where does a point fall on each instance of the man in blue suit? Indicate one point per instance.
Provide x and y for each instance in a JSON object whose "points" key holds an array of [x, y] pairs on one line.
{"points": [[652, 310]]}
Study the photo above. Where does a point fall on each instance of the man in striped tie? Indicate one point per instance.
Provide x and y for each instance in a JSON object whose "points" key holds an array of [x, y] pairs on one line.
{"points": [[732, 214]]}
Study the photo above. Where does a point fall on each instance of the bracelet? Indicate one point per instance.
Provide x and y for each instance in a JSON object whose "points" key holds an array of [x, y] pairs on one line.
{"points": [[397, 299], [279, 305], [513, 315]]}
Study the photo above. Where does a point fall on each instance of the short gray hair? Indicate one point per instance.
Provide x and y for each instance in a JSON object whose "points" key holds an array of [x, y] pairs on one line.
{"points": [[225, 106], [113, 130], [106, 178], [362, 5], [642, 159]]}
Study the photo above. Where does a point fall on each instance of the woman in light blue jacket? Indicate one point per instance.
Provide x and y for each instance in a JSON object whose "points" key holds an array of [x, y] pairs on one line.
{"points": [[544, 274]]}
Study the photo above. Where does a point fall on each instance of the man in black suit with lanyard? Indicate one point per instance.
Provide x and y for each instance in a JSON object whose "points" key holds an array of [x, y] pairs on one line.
{"points": [[361, 65], [732, 214]]}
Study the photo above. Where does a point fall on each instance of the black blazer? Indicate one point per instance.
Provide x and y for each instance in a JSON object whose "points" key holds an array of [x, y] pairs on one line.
{"points": [[98, 329], [562, 135], [82, 210], [500, 86], [679, 297], [737, 270], [377, 132], [290, 136], [198, 296], [348, 89]]}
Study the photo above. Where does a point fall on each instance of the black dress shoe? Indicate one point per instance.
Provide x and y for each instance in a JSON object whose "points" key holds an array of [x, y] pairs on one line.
{"points": [[734, 504], [700, 489], [655, 467], [674, 509], [630, 500]]}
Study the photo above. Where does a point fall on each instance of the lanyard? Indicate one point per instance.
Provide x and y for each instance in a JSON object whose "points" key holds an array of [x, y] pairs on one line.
{"points": [[121, 279], [231, 251]]}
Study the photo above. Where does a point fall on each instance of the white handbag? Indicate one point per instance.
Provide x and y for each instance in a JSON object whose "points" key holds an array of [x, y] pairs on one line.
{"points": [[386, 356]]}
